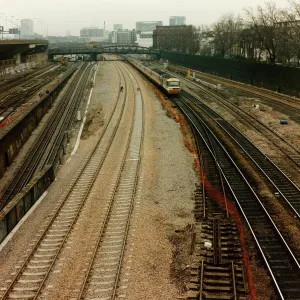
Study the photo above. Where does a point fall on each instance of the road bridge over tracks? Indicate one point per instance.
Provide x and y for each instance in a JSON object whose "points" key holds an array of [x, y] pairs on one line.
{"points": [[95, 51]]}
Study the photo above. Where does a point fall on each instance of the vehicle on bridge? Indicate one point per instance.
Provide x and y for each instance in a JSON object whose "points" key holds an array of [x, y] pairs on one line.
{"points": [[169, 83]]}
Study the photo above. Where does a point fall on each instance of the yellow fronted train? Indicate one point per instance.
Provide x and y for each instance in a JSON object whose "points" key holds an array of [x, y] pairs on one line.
{"points": [[169, 83]]}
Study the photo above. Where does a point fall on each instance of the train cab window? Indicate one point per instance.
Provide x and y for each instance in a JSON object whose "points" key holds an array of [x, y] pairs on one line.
{"points": [[173, 83]]}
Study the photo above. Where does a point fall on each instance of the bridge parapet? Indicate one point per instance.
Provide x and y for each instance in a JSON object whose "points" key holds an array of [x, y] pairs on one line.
{"points": [[103, 50]]}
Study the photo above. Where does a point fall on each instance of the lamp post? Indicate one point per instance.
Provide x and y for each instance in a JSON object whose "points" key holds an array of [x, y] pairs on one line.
{"points": [[18, 26], [12, 25]]}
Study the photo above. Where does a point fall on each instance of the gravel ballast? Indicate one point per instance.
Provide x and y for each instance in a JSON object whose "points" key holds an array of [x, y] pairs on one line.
{"points": [[165, 193]]}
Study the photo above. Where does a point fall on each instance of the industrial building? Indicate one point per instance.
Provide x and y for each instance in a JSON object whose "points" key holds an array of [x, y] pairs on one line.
{"points": [[144, 26], [175, 38], [177, 21], [27, 29]]}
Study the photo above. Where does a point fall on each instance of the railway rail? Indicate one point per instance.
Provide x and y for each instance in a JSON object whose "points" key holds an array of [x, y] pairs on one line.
{"points": [[32, 275], [218, 270], [12, 100], [102, 278], [284, 99], [39, 264], [61, 134], [16, 80], [58, 121], [279, 259], [289, 192], [286, 148]]}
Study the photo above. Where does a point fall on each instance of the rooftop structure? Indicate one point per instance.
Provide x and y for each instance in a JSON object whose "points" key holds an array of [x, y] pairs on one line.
{"points": [[177, 20], [118, 27], [91, 32], [147, 25]]}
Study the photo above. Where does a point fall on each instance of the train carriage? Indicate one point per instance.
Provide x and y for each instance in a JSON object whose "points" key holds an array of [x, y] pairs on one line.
{"points": [[169, 83]]}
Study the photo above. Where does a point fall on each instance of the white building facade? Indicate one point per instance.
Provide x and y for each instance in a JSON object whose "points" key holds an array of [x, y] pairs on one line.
{"points": [[145, 39], [27, 29]]}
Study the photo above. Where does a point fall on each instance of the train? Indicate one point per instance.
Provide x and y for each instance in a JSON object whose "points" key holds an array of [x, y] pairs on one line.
{"points": [[169, 83]]}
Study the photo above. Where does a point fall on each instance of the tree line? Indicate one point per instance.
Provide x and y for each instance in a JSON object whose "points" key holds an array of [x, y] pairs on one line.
{"points": [[266, 33]]}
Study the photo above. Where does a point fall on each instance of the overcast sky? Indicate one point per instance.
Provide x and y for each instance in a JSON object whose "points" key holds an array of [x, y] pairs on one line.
{"points": [[71, 15]]}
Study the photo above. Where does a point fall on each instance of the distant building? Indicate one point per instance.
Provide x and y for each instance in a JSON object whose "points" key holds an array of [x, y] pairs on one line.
{"points": [[145, 39], [177, 21], [143, 26], [118, 27], [63, 41], [68, 33], [92, 32], [124, 37], [112, 37], [27, 29], [175, 38]]}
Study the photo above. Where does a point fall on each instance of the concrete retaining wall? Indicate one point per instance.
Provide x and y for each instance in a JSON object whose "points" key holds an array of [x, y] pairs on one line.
{"points": [[16, 209]]}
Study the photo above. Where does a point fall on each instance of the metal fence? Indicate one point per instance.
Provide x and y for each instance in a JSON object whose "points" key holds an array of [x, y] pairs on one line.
{"points": [[282, 79]]}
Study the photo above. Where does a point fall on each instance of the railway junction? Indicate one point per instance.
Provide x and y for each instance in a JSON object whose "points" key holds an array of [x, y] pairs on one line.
{"points": [[112, 189]]}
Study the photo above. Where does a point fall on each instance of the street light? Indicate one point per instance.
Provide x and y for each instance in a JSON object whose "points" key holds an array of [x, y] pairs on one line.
{"points": [[18, 26]]}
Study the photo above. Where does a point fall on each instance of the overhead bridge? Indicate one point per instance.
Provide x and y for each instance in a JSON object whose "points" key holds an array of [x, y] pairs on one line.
{"points": [[102, 50]]}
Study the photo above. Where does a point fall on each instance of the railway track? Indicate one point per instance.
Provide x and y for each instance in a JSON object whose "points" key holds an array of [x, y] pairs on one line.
{"points": [[286, 148], [291, 102], [107, 259], [281, 263], [289, 192], [57, 121], [8, 84], [217, 271], [102, 277], [51, 156], [12, 100], [30, 278]]}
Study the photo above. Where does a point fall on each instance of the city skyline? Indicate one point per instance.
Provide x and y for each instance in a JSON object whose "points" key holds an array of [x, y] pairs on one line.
{"points": [[74, 15]]}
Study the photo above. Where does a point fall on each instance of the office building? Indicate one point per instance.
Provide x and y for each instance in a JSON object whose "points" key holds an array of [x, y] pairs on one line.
{"points": [[177, 21], [92, 32], [144, 26], [27, 29], [122, 37]]}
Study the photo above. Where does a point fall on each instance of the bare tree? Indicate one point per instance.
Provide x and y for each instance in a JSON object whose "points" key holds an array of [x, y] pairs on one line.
{"points": [[226, 33], [292, 24], [266, 25]]}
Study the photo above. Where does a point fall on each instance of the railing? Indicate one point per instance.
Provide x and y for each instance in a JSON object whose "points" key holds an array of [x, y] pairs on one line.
{"points": [[108, 49]]}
